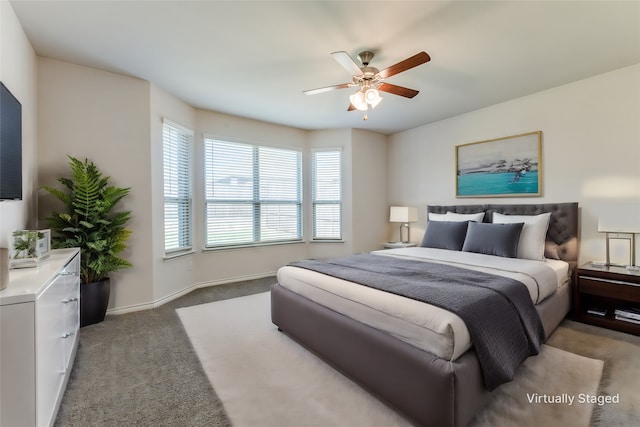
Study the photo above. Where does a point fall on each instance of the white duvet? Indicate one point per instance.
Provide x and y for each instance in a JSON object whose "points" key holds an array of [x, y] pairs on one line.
{"points": [[425, 326]]}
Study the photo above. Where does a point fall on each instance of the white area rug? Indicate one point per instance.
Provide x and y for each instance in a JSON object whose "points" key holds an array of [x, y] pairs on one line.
{"points": [[265, 379]]}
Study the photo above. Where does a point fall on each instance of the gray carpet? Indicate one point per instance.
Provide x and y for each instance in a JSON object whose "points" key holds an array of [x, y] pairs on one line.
{"points": [[140, 369], [621, 374]]}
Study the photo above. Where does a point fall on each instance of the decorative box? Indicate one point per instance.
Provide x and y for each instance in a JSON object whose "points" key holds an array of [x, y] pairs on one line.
{"points": [[28, 247]]}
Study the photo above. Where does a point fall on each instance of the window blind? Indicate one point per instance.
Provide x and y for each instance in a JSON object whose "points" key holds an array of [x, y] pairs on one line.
{"points": [[327, 195], [253, 194], [177, 188]]}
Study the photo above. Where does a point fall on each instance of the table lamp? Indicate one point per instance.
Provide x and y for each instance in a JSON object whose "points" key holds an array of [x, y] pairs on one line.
{"points": [[404, 215], [621, 221]]}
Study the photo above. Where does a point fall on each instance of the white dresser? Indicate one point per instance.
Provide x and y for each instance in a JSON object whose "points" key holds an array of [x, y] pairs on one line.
{"points": [[39, 322]]}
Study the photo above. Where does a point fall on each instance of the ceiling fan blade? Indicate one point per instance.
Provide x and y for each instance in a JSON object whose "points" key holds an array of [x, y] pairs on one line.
{"points": [[351, 107], [414, 61], [344, 59], [327, 89], [397, 90]]}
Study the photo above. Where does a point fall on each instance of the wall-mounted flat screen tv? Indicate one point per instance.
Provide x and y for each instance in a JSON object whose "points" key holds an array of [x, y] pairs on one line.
{"points": [[10, 146]]}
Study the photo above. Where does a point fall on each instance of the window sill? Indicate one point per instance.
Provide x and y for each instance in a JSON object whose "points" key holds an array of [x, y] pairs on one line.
{"points": [[327, 241], [252, 245], [174, 255]]}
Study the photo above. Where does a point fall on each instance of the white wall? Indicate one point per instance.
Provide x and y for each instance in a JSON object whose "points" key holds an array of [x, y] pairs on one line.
{"points": [[104, 117], [170, 276], [18, 72], [369, 190], [590, 150]]}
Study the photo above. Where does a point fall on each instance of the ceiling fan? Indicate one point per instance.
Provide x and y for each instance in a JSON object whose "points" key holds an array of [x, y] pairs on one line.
{"points": [[370, 80]]}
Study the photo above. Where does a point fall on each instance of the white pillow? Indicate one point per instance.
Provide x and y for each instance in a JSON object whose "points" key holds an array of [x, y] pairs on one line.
{"points": [[533, 236], [436, 216], [452, 216], [456, 217]]}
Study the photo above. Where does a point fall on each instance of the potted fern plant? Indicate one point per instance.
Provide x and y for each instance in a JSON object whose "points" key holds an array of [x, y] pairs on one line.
{"points": [[90, 223]]}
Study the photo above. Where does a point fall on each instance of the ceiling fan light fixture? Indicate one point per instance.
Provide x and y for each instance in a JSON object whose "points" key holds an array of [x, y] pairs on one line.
{"points": [[372, 96], [358, 100]]}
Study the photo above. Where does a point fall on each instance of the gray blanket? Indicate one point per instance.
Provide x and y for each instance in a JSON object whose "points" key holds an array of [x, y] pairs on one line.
{"points": [[503, 323]]}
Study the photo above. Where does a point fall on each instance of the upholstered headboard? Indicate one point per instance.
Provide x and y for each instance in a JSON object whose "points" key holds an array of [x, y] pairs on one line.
{"points": [[562, 234]]}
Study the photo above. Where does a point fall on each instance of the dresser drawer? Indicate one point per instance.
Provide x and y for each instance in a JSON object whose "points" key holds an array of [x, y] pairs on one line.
{"points": [[17, 373], [50, 344]]}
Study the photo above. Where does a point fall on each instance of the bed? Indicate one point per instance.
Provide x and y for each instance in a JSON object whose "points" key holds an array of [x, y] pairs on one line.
{"points": [[430, 377]]}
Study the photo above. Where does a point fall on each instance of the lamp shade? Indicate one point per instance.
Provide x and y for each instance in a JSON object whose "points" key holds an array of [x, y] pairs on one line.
{"points": [[358, 100], [372, 97], [620, 219], [403, 214]]}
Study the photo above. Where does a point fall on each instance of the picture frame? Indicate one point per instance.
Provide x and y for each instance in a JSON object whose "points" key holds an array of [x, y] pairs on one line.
{"points": [[510, 166]]}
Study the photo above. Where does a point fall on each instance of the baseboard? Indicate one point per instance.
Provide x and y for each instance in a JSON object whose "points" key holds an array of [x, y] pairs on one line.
{"points": [[191, 288], [234, 280]]}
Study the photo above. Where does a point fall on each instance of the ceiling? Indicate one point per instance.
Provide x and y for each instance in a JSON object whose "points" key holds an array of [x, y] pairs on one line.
{"points": [[254, 59]]}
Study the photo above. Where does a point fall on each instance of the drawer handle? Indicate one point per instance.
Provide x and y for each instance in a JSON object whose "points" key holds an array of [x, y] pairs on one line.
{"points": [[67, 273], [68, 300], [68, 335], [615, 282]]}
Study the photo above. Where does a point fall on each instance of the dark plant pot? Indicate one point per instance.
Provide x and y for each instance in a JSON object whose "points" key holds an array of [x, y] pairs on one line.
{"points": [[94, 299]]}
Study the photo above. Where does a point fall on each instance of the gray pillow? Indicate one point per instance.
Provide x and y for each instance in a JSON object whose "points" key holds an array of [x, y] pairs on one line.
{"points": [[445, 235], [493, 239]]}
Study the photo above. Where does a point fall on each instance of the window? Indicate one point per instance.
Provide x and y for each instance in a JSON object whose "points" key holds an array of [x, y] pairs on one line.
{"points": [[253, 194], [327, 195], [176, 143]]}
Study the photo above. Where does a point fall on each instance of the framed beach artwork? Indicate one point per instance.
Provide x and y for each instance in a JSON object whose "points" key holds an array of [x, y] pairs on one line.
{"points": [[501, 167]]}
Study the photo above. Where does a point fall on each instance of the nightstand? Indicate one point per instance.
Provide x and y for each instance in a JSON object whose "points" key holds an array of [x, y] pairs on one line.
{"points": [[600, 291], [394, 245]]}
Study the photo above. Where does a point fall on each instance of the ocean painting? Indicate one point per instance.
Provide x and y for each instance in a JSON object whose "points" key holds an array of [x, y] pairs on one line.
{"points": [[502, 167]]}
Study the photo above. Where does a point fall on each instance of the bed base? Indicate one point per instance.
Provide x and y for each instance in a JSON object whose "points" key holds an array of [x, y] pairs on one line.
{"points": [[426, 389]]}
